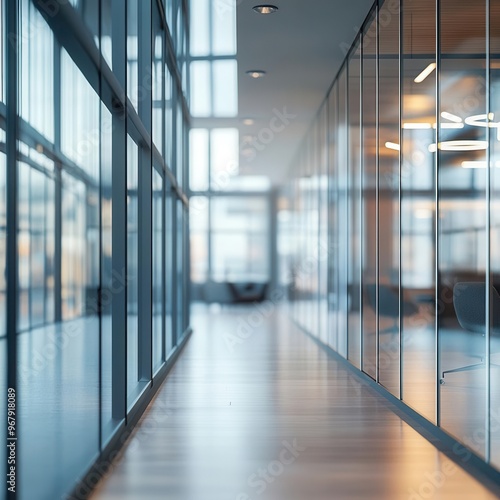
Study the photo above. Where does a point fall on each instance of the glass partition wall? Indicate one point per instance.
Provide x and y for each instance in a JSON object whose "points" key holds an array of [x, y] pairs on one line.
{"points": [[94, 231], [412, 142]]}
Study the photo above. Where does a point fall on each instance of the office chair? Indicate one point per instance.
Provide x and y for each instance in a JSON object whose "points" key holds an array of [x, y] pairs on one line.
{"points": [[469, 302], [388, 304]]}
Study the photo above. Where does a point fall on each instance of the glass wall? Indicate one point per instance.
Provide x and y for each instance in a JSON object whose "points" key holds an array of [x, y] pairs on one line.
{"points": [[413, 260], [98, 249]]}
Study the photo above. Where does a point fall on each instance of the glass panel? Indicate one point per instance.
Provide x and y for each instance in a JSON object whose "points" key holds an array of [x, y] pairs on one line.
{"points": [[389, 175], [169, 118], [37, 295], [158, 295], [418, 208], [36, 243], [462, 215], [312, 224], [24, 246], [333, 223], [199, 214], [495, 230], [132, 270], [80, 129], [89, 10], [343, 202], [169, 270], [110, 282], [180, 253], [36, 101], [179, 165], [158, 86], [106, 32], [133, 52], [200, 27], [169, 11], [369, 197], [201, 101], [224, 157], [73, 265], [239, 239], [323, 251], [225, 88], [354, 269], [223, 28]]}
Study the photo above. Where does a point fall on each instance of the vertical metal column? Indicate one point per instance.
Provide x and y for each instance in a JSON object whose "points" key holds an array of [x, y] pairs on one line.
{"points": [[57, 186], [173, 215], [145, 234], [377, 195], [487, 451], [437, 223], [119, 216], [11, 264], [361, 207], [401, 316]]}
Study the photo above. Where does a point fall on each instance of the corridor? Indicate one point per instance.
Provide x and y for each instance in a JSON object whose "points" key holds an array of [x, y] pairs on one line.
{"points": [[256, 409]]}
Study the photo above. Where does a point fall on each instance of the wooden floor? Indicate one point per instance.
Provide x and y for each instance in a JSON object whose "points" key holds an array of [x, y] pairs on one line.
{"points": [[262, 412]]}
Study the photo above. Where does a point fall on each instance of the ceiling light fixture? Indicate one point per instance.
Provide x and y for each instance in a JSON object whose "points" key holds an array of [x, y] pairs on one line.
{"points": [[460, 146], [450, 125], [265, 9], [427, 71], [392, 145], [416, 126], [451, 117], [477, 164], [248, 122], [483, 120], [256, 73]]}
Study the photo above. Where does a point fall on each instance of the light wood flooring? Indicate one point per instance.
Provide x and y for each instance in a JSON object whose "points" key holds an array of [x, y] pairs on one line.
{"points": [[223, 424]]}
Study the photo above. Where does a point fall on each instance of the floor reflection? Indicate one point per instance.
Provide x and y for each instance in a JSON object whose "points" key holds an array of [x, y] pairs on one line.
{"points": [[250, 386], [58, 406]]}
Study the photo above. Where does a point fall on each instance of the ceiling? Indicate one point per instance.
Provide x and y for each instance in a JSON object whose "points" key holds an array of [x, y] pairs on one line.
{"points": [[301, 47]]}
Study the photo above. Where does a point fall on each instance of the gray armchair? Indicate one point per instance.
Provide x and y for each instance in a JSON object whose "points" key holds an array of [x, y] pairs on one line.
{"points": [[469, 299]]}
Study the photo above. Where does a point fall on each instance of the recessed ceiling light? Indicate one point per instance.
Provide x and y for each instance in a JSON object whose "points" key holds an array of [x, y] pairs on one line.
{"points": [[248, 122], [256, 73], [265, 9]]}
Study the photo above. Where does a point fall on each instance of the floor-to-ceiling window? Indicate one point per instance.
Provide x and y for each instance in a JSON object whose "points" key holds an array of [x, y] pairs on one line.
{"points": [[97, 249], [230, 209]]}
